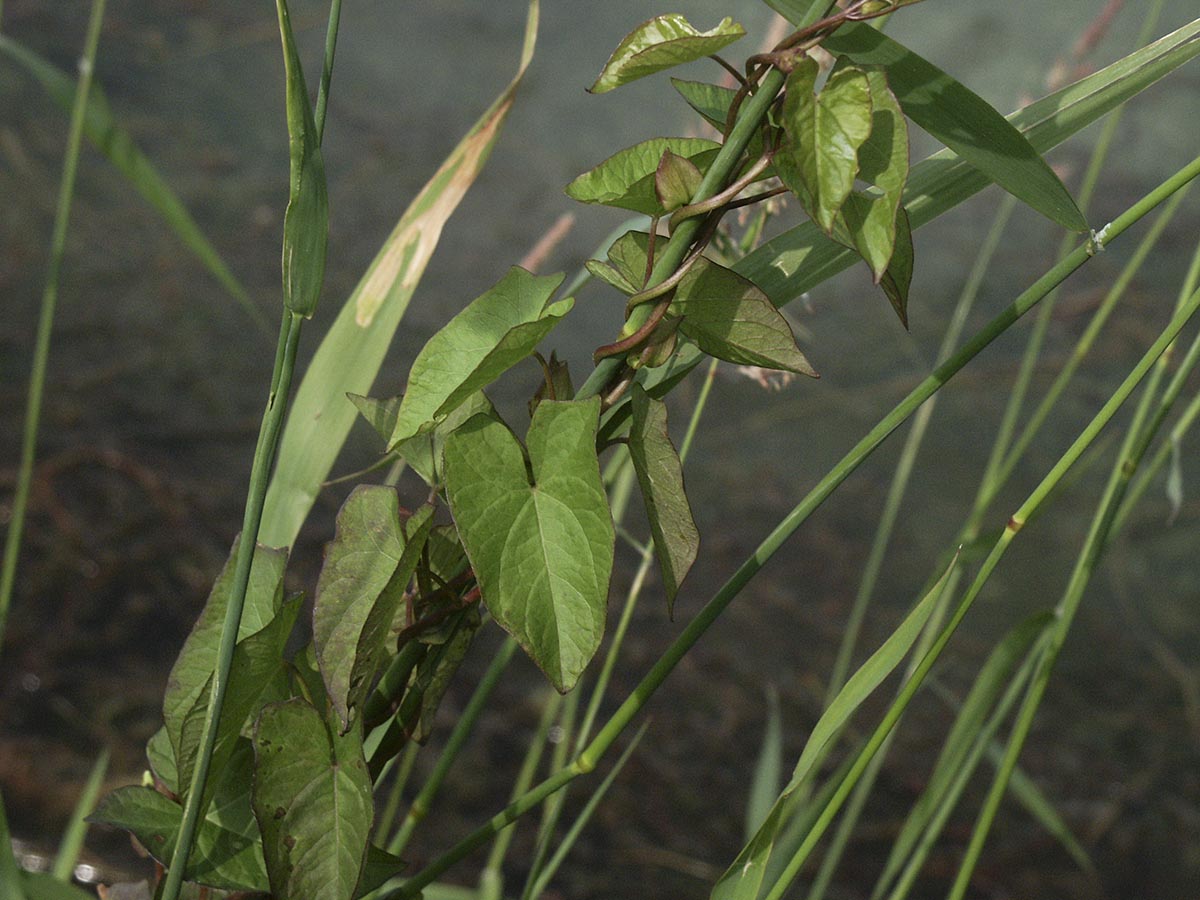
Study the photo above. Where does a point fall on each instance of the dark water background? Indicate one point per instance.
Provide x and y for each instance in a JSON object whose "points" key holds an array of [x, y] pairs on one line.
{"points": [[156, 384]]}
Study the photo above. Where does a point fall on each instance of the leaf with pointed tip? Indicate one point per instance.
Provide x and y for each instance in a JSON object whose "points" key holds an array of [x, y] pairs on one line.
{"points": [[661, 43], [312, 799], [437, 669], [818, 158], [743, 879], [198, 659], [712, 101], [556, 385], [731, 319], [496, 331], [306, 219], [626, 179], [219, 858], [379, 868], [898, 277], [963, 121], [540, 539], [368, 565], [353, 349], [676, 540]]}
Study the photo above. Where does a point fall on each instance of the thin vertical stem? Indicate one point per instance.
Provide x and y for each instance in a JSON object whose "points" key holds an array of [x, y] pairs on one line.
{"points": [[41, 349]]}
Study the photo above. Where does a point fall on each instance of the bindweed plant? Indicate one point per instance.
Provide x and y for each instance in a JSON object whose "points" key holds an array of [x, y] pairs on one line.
{"points": [[282, 764]]}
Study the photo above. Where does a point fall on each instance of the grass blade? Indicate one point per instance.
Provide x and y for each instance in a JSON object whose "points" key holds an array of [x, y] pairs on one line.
{"points": [[768, 768], [352, 352], [72, 839], [41, 350], [104, 131], [745, 875]]}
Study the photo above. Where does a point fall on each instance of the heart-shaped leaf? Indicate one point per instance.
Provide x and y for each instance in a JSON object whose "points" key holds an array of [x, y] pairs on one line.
{"points": [[660, 474], [312, 799], [731, 319], [219, 858], [539, 538], [659, 44], [368, 565], [626, 179], [495, 332], [818, 158]]}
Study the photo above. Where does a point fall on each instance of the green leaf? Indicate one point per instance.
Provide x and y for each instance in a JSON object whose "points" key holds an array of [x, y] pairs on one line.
{"points": [[258, 661], [379, 868], [818, 158], [306, 220], [626, 179], [437, 669], [768, 769], [42, 886], [540, 540], [626, 266], [796, 261], [675, 181], [712, 101], [107, 135], [354, 348], [883, 162], [730, 318], [661, 43], [743, 879], [196, 661], [219, 858], [963, 121], [368, 566], [423, 453], [312, 799], [993, 679], [898, 277], [660, 474], [230, 805], [495, 332], [161, 756]]}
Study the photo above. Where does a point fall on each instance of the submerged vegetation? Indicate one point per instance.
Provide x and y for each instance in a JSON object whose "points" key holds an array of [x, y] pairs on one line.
{"points": [[291, 727]]}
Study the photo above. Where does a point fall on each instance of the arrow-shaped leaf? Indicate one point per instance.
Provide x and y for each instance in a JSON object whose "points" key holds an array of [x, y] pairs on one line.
{"points": [[540, 539], [312, 799], [367, 568], [626, 179], [626, 266], [676, 540], [659, 44], [495, 332], [731, 319]]}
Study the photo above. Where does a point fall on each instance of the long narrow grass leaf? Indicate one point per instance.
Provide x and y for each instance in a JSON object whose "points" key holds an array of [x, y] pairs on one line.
{"points": [[768, 768], [76, 830], [41, 350], [744, 877], [352, 352]]}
